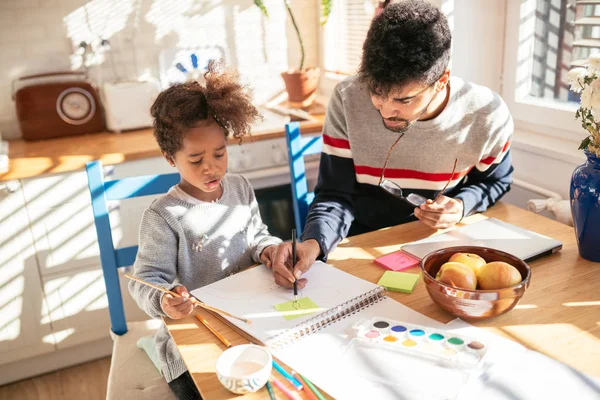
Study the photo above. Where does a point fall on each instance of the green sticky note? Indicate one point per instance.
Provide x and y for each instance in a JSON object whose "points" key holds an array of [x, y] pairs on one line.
{"points": [[399, 281], [303, 306]]}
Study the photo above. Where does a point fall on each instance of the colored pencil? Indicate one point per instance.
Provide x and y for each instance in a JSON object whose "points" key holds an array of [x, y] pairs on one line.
{"points": [[294, 264], [312, 387], [309, 393], [194, 300], [213, 330], [291, 395], [287, 376], [270, 390]]}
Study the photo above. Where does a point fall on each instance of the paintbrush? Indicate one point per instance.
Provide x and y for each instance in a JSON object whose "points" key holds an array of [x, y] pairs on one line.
{"points": [[194, 300]]}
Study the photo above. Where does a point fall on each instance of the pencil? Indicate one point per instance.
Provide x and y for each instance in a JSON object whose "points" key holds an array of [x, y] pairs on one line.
{"points": [[270, 390], [294, 264], [194, 300], [312, 387], [309, 393], [291, 395], [213, 330], [287, 376]]}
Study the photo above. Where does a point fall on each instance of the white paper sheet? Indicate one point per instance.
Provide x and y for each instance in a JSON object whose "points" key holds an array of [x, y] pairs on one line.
{"points": [[347, 370], [252, 294]]}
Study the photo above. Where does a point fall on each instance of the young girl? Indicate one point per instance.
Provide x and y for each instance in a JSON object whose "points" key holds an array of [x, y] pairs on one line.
{"points": [[208, 226]]}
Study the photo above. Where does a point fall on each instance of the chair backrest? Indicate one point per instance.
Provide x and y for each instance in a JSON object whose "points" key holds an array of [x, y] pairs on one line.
{"points": [[298, 148], [112, 259]]}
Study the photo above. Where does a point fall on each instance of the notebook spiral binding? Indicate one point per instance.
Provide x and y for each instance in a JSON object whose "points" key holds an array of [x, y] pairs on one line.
{"points": [[327, 318]]}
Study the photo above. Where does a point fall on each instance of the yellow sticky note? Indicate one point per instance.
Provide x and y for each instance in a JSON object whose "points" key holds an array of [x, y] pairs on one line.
{"points": [[399, 281], [303, 306]]}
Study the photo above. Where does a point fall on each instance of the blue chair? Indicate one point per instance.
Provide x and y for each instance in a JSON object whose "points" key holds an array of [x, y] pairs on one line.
{"points": [[140, 373], [298, 148]]}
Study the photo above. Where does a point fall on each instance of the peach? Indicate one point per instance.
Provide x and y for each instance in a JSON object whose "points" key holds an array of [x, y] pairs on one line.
{"points": [[474, 261], [498, 275], [457, 275]]}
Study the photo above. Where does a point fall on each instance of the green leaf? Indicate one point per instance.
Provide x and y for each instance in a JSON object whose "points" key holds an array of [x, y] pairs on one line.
{"points": [[325, 11], [261, 5], [585, 143]]}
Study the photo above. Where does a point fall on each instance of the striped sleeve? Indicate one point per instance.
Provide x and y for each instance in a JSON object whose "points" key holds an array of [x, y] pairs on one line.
{"points": [[500, 130], [492, 176], [336, 146], [332, 211]]}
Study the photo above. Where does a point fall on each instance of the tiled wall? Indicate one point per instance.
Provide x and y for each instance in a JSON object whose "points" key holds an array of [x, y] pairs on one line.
{"points": [[42, 36]]}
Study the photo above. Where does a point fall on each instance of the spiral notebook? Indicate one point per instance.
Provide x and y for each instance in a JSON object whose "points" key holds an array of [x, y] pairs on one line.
{"points": [[318, 345]]}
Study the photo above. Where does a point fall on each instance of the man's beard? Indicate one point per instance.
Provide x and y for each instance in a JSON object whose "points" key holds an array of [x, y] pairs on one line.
{"points": [[407, 124], [399, 128]]}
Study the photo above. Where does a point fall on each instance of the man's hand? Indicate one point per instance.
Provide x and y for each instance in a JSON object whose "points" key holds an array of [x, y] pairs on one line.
{"points": [[177, 307], [306, 254], [266, 257], [442, 214]]}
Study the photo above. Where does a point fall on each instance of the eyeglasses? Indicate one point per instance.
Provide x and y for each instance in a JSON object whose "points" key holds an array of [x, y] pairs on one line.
{"points": [[395, 190]]}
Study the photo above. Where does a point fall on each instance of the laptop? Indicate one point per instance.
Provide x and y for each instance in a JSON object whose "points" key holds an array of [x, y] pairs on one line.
{"points": [[493, 233]]}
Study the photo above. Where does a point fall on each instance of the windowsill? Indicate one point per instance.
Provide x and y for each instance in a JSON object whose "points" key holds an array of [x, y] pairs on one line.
{"points": [[548, 145]]}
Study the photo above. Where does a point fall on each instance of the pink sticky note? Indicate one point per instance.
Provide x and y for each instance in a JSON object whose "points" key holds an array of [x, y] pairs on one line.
{"points": [[397, 261]]}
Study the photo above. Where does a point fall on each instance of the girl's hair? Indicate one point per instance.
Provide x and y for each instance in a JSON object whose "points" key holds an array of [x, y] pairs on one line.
{"points": [[184, 106]]}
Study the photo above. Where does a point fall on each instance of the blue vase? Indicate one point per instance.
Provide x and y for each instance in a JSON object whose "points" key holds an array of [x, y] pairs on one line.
{"points": [[585, 207]]}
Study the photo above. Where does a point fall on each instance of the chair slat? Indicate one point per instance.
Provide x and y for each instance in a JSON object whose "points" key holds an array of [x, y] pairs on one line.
{"points": [[111, 258], [126, 256], [298, 148], [108, 257], [137, 186]]}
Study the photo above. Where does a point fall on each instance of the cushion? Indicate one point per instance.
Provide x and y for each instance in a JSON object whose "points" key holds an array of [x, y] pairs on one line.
{"points": [[132, 373], [147, 344]]}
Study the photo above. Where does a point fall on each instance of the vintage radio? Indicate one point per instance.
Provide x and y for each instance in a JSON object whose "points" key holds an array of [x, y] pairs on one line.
{"points": [[57, 108]]}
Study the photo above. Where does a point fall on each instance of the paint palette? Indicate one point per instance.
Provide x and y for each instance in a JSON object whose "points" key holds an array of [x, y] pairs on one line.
{"points": [[435, 344]]}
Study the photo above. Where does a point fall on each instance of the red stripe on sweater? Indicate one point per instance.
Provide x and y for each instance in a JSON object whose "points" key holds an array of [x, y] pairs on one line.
{"points": [[490, 160], [410, 174], [340, 143]]}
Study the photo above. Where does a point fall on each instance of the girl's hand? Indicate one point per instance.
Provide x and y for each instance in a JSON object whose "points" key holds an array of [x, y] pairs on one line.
{"points": [[266, 257], [177, 307], [284, 273]]}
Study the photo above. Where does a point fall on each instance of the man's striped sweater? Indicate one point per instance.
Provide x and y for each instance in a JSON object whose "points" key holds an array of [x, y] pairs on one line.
{"points": [[475, 127]]}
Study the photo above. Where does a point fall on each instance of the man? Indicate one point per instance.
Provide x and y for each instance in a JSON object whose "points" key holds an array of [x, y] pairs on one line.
{"points": [[403, 97]]}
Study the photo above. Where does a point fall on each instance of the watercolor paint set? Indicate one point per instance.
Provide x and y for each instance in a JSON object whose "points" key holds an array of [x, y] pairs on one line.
{"points": [[437, 345]]}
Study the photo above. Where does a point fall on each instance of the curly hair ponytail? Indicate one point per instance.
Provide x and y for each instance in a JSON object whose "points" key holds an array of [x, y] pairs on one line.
{"points": [[187, 105]]}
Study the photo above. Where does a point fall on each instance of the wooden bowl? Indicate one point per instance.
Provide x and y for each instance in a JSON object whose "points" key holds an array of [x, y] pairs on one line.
{"points": [[473, 304]]}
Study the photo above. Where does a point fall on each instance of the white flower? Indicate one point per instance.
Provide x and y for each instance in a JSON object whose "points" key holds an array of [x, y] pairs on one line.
{"points": [[586, 97], [593, 62], [575, 78], [595, 86]]}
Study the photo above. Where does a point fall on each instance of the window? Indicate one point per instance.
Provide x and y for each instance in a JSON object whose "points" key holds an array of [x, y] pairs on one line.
{"points": [[345, 33], [544, 40], [566, 33]]}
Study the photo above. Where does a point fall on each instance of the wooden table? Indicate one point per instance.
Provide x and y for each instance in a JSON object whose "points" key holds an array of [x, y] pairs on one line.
{"points": [[559, 315]]}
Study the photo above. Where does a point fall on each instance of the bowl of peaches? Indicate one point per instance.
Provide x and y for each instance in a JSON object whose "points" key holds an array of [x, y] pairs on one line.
{"points": [[473, 282]]}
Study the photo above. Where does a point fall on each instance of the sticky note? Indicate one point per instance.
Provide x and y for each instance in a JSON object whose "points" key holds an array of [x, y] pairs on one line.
{"points": [[304, 306], [399, 281], [397, 261]]}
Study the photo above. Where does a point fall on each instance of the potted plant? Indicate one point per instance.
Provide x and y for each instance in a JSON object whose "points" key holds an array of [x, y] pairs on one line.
{"points": [[585, 182], [301, 83]]}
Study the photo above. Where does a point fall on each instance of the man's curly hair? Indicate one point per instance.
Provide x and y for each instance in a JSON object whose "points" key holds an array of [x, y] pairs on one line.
{"points": [[184, 106], [408, 42]]}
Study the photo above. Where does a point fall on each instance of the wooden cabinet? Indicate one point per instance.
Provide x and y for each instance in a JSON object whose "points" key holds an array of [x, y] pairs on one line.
{"points": [[23, 330], [52, 293]]}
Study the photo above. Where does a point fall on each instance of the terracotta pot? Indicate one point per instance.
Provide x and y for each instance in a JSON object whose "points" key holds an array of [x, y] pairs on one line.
{"points": [[301, 86]]}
